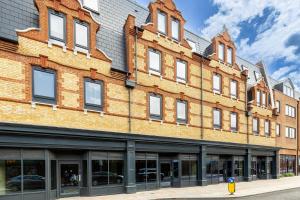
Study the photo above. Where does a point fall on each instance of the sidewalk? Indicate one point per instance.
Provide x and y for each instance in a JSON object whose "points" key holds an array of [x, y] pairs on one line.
{"points": [[211, 191]]}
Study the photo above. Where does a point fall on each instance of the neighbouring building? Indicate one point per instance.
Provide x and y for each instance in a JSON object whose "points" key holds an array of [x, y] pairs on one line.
{"points": [[101, 97]]}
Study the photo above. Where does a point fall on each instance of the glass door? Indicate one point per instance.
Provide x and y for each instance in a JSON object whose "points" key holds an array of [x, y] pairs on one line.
{"points": [[165, 174], [69, 179]]}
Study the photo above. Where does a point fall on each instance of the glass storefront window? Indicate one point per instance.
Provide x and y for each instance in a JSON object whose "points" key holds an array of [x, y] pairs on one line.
{"points": [[33, 175], [151, 171], [99, 172], [194, 169], [116, 175], [287, 164], [10, 176], [239, 166], [185, 169], [140, 167]]}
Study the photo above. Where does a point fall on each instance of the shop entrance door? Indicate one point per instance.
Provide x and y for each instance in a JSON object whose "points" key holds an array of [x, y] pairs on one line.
{"points": [[225, 168], [261, 168], [69, 179], [169, 174]]}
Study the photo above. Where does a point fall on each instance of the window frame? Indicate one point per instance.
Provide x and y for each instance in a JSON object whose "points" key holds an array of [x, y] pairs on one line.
{"points": [[40, 98], [218, 91], [258, 103], [94, 106], [257, 126], [179, 120], [61, 15], [236, 89], [154, 116], [269, 127], [234, 129], [160, 61], [278, 129], [217, 126], [231, 58], [159, 12], [278, 106], [263, 99], [186, 70], [223, 58], [178, 22], [77, 21]]}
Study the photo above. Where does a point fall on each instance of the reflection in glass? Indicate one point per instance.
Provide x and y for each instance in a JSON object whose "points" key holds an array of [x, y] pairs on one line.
{"points": [[53, 174], [33, 175], [116, 171], [10, 176], [99, 172], [151, 171], [140, 169], [44, 83], [185, 172]]}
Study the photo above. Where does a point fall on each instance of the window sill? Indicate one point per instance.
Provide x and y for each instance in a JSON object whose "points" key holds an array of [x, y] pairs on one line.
{"points": [[155, 73], [218, 129], [156, 120], [93, 111], [81, 50], [52, 42], [182, 124], [217, 93], [35, 103]]}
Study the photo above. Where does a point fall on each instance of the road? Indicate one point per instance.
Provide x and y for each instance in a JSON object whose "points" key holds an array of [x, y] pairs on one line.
{"points": [[291, 194]]}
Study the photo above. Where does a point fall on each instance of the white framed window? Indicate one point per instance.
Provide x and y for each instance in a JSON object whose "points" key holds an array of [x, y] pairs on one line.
{"points": [[91, 4], [288, 91], [93, 94], [154, 60], [229, 56], [221, 53], [290, 132], [290, 111], [264, 98], [175, 29], [233, 121], [57, 26], [277, 104], [181, 109], [217, 83], [278, 129], [217, 118], [267, 128], [181, 70], [233, 88], [43, 85], [155, 104], [193, 45], [258, 98], [162, 22], [81, 34], [255, 126]]}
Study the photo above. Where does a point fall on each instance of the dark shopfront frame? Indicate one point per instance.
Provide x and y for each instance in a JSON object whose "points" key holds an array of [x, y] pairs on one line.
{"points": [[54, 141]]}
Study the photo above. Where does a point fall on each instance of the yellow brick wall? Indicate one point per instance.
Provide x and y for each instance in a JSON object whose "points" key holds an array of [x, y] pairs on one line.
{"points": [[12, 69]]}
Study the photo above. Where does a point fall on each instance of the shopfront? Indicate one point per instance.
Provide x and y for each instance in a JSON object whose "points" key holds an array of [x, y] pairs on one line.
{"points": [[287, 164]]}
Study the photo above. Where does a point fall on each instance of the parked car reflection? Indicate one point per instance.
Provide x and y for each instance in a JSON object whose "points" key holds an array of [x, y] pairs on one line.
{"points": [[31, 182], [101, 178]]}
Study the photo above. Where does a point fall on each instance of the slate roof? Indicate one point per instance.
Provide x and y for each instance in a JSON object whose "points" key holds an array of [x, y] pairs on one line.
{"points": [[22, 14]]}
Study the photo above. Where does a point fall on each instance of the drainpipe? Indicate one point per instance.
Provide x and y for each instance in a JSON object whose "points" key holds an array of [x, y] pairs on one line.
{"points": [[201, 102]]}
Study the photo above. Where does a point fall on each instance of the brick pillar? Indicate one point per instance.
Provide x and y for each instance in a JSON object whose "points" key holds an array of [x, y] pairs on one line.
{"points": [[202, 166], [130, 168], [248, 160]]}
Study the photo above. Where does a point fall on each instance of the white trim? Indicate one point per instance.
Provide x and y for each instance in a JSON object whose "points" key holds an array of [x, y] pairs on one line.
{"points": [[27, 29]]}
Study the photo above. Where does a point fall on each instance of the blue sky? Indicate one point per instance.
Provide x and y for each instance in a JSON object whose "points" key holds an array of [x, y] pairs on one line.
{"points": [[267, 30]]}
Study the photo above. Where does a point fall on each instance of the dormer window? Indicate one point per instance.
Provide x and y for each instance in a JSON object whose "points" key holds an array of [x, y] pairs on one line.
{"points": [[81, 35], [193, 45], [57, 26], [175, 29], [91, 5], [221, 52], [229, 56], [258, 98], [162, 22], [288, 91]]}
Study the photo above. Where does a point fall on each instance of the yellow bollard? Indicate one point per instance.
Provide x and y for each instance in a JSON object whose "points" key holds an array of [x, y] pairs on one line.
{"points": [[231, 186]]}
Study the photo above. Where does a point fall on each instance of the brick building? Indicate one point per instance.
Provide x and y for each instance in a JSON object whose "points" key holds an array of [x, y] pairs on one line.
{"points": [[103, 97]]}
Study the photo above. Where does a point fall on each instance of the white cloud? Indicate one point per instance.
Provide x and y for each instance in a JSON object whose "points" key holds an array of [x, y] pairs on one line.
{"points": [[283, 71], [269, 44]]}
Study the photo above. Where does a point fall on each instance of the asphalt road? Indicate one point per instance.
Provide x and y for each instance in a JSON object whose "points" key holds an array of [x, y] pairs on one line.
{"points": [[292, 194]]}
